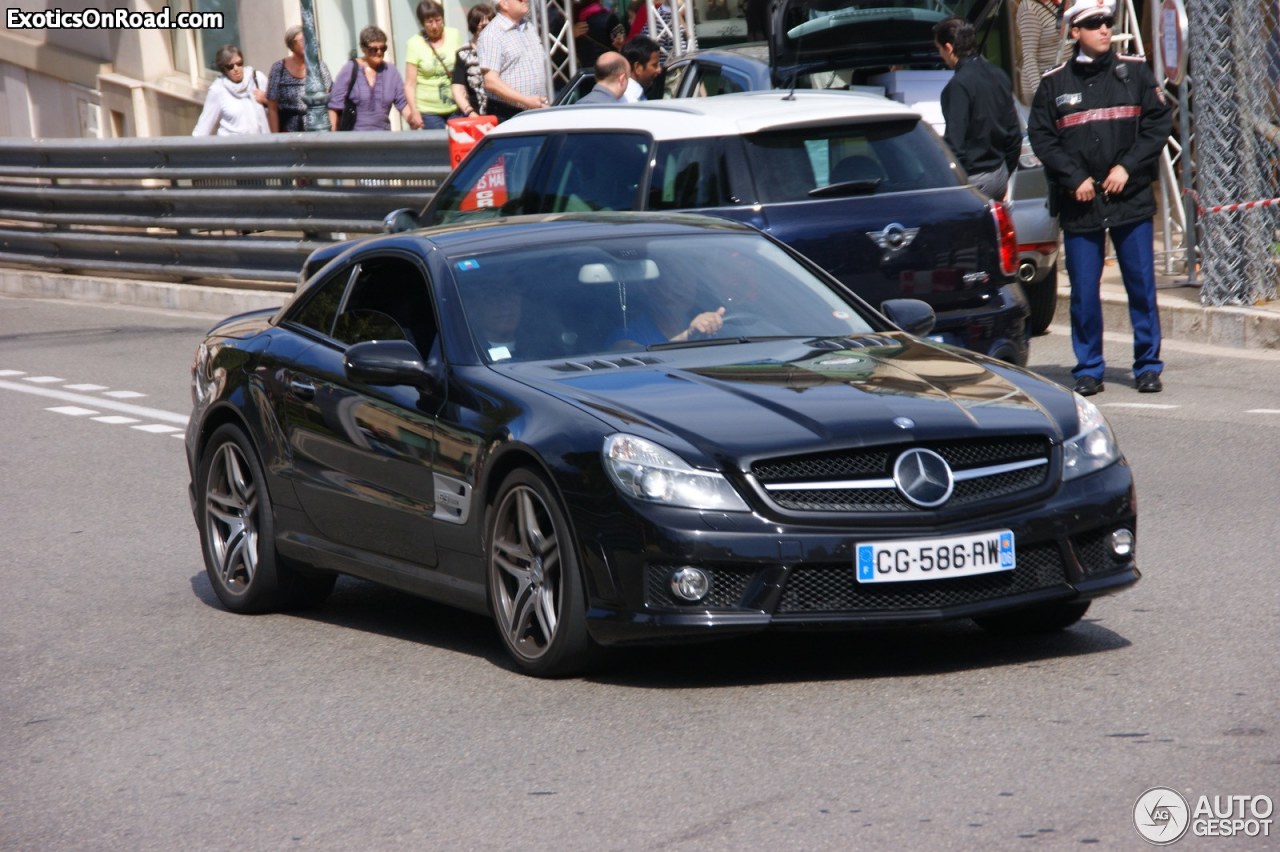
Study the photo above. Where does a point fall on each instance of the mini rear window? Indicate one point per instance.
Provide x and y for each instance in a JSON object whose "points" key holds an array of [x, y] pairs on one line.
{"points": [[862, 159]]}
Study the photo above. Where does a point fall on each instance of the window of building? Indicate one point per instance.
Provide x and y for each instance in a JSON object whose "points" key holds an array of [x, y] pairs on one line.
{"points": [[194, 50]]}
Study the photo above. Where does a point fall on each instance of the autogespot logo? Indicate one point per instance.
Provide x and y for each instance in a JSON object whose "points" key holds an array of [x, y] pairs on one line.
{"points": [[1161, 816]]}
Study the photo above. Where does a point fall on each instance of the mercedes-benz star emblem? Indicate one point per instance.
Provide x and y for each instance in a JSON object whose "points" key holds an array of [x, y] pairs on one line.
{"points": [[923, 477], [894, 236]]}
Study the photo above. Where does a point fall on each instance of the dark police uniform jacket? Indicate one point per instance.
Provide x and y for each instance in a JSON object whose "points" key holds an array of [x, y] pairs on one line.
{"points": [[1089, 116]]}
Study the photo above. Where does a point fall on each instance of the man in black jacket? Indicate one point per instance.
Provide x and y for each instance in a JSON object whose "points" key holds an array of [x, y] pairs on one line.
{"points": [[1099, 122], [977, 104]]}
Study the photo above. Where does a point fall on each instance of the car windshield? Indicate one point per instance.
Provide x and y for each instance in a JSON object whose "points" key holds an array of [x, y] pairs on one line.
{"points": [[860, 159], [628, 294]]}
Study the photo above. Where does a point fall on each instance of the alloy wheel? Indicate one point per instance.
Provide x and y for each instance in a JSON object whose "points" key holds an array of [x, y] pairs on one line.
{"points": [[528, 572], [231, 512]]}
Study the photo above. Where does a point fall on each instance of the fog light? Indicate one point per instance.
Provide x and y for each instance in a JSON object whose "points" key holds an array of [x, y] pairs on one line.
{"points": [[1121, 544], [690, 584]]}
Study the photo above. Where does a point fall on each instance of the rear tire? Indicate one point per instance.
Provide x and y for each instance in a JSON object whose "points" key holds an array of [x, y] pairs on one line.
{"points": [[237, 533], [1042, 296], [535, 587], [1044, 618]]}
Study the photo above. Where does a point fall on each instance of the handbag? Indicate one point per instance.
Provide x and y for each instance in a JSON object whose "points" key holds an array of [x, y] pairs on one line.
{"points": [[347, 118]]}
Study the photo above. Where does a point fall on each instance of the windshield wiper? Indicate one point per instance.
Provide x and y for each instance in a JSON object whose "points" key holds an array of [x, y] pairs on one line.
{"points": [[719, 341], [847, 187]]}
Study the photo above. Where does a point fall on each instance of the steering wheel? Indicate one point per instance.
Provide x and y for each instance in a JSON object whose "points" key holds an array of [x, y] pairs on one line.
{"points": [[742, 323]]}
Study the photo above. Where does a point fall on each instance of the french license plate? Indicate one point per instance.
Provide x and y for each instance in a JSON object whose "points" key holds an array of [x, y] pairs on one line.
{"points": [[935, 558]]}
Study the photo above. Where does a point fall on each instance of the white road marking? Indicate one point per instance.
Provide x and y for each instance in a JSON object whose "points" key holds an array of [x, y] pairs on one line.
{"points": [[116, 419], [73, 410], [12, 373], [1263, 411], [1153, 405], [122, 407], [122, 394], [43, 380], [84, 387], [157, 428]]}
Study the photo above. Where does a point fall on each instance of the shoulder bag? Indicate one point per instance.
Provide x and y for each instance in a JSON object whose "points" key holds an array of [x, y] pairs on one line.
{"points": [[347, 118]]}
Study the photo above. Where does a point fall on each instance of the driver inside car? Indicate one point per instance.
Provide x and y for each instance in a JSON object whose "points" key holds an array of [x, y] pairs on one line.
{"points": [[665, 312]]}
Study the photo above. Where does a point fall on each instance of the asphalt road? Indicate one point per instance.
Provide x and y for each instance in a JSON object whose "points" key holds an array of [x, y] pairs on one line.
{"points": [[137, 714]]}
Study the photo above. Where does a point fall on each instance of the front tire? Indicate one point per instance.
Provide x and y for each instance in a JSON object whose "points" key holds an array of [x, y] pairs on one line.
{"points": [[237, 533], [1043, 618], [535, 588]]}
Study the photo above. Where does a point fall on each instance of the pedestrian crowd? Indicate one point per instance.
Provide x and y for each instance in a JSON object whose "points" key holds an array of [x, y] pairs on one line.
{"points": [[499, 68]]}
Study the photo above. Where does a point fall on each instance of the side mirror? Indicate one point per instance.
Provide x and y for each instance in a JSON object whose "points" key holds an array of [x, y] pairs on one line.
{"points": [[911, 315], [388, 362], [399, 221]]}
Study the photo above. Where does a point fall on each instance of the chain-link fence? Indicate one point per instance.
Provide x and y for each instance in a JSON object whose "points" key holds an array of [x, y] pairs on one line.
{"points": [[1235, 66]]}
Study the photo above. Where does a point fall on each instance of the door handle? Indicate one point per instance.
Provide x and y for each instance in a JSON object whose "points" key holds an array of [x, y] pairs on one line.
{"points": [[301, 389]]}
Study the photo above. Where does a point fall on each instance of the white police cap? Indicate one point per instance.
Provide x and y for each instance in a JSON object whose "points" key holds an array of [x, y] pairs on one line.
{"points": [[1084, 9]]}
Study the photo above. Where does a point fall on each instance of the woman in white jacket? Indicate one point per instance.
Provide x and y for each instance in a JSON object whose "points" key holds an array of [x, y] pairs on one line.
{"points": [[237, 100]]}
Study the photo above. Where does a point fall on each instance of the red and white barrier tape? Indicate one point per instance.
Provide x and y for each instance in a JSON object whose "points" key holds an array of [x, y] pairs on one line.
{"points": [[1230, 208]]}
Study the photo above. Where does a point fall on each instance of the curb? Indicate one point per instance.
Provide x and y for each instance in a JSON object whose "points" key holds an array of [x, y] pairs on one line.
{"points": [[194, 298], [1182, 317]]}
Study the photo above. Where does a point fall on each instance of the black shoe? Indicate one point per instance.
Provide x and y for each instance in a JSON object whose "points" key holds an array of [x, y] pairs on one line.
{"points": [[1088, 386], [1149, 382]]}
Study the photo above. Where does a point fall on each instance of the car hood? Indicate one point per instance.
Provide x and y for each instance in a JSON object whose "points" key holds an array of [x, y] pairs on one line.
{"points": [[792, 397], [864, 33]]}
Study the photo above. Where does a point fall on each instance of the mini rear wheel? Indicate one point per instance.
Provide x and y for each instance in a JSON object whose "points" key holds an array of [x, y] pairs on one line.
{"points": [[1042, 296]]}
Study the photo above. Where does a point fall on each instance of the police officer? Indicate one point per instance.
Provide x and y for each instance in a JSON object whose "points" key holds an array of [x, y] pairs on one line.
{"points": [[1099, 122]]}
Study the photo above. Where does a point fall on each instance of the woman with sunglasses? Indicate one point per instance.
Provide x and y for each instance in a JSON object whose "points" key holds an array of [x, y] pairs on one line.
{"points": [[237, 100], [1098, 123], [373, 85]]}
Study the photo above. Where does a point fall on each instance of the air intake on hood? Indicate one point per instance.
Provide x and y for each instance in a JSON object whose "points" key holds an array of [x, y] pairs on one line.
{"points": [[608, 363]]}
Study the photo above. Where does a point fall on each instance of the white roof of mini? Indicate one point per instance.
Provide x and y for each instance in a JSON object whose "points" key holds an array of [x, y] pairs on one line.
{"points": [[723, 115]]}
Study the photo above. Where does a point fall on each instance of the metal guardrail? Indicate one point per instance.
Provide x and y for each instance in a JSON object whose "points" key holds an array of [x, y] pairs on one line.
{"points": [[245, 207]]}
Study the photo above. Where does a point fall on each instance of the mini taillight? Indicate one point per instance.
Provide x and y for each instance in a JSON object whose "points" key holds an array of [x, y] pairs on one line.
{"points": [[1007, 236]]}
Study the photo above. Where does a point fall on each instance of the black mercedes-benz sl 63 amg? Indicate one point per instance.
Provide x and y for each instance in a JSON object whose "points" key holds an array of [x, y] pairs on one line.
{"points": [[623, 428]]}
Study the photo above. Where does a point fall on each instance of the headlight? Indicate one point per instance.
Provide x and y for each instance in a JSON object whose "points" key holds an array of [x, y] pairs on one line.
{"points": [[1094, 447], [646, 471]]}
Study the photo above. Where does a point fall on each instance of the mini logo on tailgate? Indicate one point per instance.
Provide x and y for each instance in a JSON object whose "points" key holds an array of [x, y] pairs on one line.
{"points": [[894, 237]]}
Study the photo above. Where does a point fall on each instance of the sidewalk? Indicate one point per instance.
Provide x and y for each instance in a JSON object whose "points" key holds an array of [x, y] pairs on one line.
{"points": [[1182, 317]]}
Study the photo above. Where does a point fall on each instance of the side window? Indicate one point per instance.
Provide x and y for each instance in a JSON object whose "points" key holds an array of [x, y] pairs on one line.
{"points": [[688, 173], [389, 300], [713, 80], [491, 182], [672, 86], [321, 308], [596, 171]]}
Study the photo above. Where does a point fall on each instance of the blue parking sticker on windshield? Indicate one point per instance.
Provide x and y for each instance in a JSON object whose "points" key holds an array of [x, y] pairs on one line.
{"points": [[468, 265]]}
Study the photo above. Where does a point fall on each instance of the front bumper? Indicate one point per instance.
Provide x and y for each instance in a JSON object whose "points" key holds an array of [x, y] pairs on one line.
{"points": [[767, 575]]}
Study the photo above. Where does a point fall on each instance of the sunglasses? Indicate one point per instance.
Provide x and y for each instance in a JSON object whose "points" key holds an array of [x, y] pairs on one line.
{"points": [[231, 65], [377, 50], [1097, 23]]}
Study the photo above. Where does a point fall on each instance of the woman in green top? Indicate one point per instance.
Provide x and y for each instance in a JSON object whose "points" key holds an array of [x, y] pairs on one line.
{"points": [[429, 60]]}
